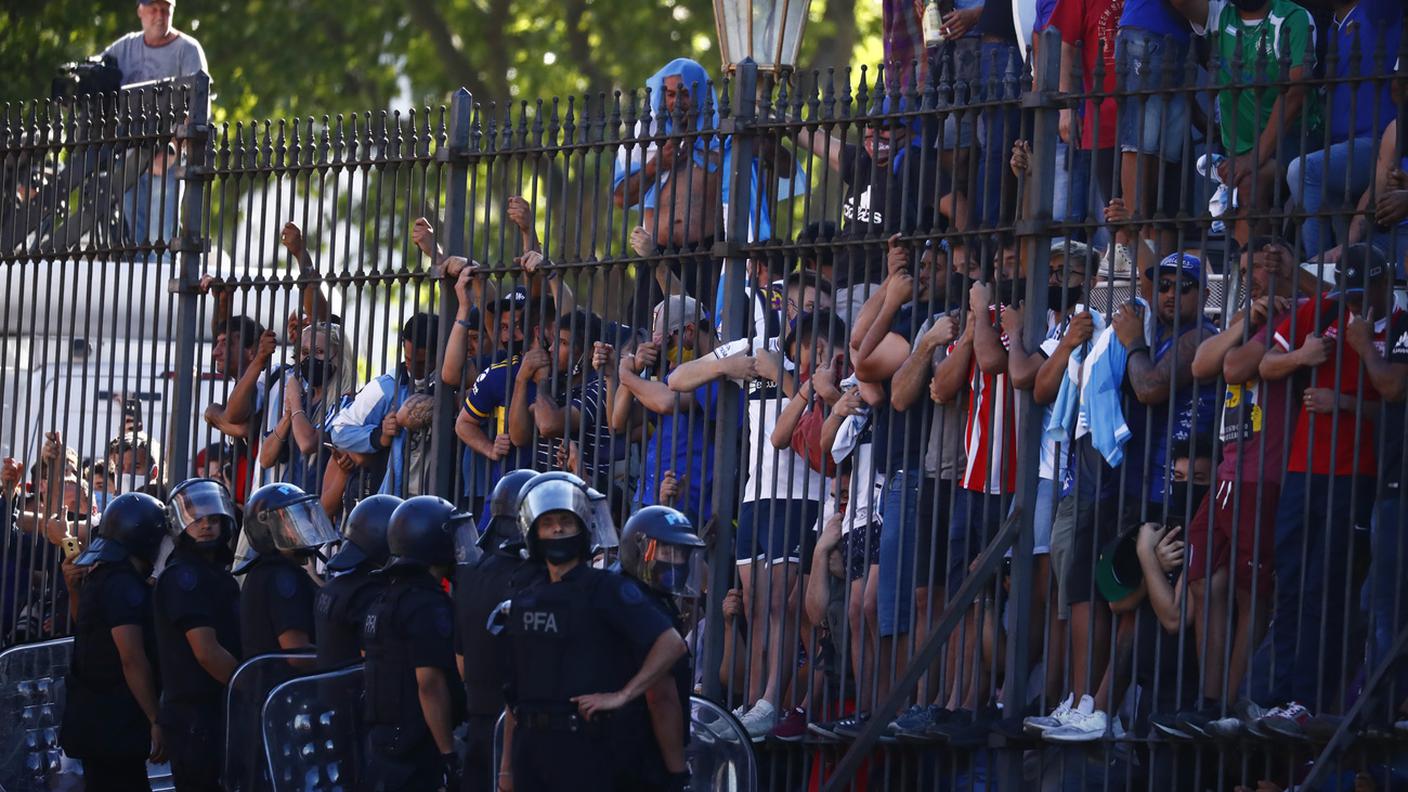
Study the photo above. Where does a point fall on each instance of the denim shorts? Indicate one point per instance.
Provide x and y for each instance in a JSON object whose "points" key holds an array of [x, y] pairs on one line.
{"points": [[774, 531], [1155, 124]]}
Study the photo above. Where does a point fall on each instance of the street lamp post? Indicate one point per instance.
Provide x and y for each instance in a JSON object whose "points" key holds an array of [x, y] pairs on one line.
{"points": [[768, 31]]}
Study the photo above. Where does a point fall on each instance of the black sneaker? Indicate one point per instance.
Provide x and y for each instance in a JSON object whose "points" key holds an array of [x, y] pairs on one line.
{"points": [[967, 729], [849, 728], [917, 724], [1198, 725], [1167, 725]]}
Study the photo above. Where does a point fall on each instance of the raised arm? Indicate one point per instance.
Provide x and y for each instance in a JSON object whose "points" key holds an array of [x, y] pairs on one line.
{"points": [[910, 384]]}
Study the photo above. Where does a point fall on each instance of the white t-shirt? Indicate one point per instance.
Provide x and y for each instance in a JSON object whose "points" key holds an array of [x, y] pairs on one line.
{"points": [[772, 474]]}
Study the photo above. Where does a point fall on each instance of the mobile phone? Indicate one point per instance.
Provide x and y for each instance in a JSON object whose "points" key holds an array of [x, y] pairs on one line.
{"points": [[70, 546]]}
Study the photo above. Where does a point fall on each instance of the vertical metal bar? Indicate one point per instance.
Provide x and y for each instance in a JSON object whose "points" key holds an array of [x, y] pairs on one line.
{"points": [[733, 324], [196, 133]]}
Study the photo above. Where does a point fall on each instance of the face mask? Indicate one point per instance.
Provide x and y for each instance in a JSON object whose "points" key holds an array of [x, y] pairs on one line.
{"points": [[1178, 497], [563, 549], [678, 356], [134, 482], [1010, 291], [1057, 301], [671, 577], [101, 499], [315, 372]]}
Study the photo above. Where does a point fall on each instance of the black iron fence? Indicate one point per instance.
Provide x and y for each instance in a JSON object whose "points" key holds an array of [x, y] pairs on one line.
{"points": [[1045, 418]]}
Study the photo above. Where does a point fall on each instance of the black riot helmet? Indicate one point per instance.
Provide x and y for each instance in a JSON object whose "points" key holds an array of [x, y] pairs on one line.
{"points": [[430, 532], [500, 527], [194, 500], [282, 518], [558, 490], [132, 526], [364, 534], [660, 548]]}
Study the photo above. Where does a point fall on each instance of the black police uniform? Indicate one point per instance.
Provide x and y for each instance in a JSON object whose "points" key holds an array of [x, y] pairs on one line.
{"points": [[584, 634], [103, 724], [277, 597], [338, 613], [193, 592], [479, 589], [409, 626]]}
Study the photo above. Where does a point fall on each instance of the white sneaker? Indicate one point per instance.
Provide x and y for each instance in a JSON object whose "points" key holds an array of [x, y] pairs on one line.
{"points": [[1037, 725], [1084, 724], [741, 710], [760, 720]]}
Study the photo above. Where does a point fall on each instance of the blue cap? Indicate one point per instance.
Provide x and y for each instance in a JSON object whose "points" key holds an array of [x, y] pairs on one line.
{"points": [[1186, 265], [941, 244]]}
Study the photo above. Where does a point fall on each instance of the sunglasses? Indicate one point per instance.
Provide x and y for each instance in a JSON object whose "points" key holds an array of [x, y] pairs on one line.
{"points": [[1183, 286]]}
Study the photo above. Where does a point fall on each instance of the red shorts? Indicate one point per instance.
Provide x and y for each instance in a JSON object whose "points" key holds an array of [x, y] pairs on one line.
{"points": [[1236, 521]]}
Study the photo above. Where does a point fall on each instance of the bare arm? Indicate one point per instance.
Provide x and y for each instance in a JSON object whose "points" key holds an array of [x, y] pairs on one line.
{"points": [[788, 418], [654, 395], [910, 385], [667, 721], [273, 445], [823, 145], [239, 408], [215, 659], [137, 667], [1155, 383], [951, 375], [434, 690], [471, 433], [1212, 352], [520, 420]]}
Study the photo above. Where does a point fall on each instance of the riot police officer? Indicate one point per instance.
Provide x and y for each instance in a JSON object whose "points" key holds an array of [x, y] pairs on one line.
{"points": [[661, 550], [410, 665], [479, 588], [197, 631], [342, 602], [573, 644], [110, 718], [284, 526]]}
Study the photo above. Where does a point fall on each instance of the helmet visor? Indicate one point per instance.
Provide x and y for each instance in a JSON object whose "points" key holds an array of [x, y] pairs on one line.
{"points": [[467, 550], [603, 525], [300, 525], [196, 501], [673, 569]]}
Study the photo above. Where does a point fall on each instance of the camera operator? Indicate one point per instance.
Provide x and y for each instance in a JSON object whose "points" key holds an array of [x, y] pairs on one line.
{"points": [[156, 52]]}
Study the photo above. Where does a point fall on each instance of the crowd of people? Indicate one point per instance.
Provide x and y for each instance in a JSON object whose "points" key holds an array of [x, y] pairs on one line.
{"points": [[1214, 410]]}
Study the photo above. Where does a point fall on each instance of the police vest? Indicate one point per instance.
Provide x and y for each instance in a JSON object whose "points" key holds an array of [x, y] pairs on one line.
{"points": [[561, 645], [393, 697], [339, 610]]}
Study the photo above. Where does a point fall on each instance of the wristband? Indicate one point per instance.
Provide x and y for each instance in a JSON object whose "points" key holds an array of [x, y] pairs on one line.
{"points": [[465, 323]]}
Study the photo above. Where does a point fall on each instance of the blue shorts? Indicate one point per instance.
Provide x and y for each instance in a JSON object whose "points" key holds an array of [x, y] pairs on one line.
{"points": [[976, 519], [1155, 124], [773, 531], [898, 537]]}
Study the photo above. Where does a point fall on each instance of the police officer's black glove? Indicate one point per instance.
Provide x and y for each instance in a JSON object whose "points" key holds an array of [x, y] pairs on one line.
{"points": [[450, 771], [678, 782]]}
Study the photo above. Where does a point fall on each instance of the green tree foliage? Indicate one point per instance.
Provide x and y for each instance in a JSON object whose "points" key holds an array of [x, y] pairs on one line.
{"points": [[279, 58]]}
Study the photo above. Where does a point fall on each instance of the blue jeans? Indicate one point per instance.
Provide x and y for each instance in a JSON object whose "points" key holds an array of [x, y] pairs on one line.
{"points": [[1330, 178], [152, 196], [1313, 583], [1388, 591], [898, 533], [1153, 124], [999, 127]]}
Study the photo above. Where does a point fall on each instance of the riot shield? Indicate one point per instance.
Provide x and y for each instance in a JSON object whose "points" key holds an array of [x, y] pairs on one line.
{"points": [[32, 700], [312, 732], [252, 683], [720, 754]]}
